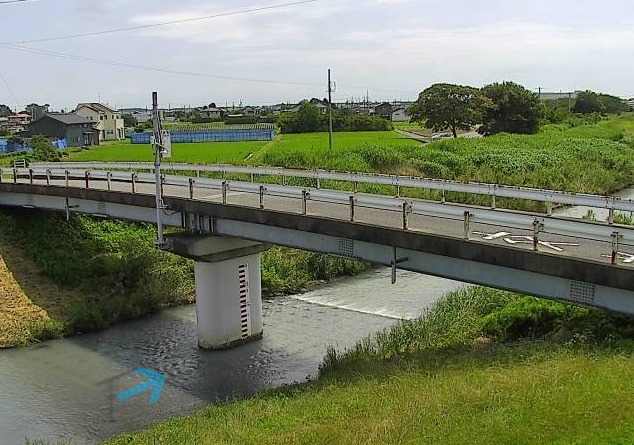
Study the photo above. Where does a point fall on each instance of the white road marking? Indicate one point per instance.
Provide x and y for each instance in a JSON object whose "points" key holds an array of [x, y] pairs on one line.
{"points": [[492, 236], [624, 257]]}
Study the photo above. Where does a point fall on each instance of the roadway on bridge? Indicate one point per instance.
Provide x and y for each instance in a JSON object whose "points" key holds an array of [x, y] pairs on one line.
{"points": [[550, 244]]}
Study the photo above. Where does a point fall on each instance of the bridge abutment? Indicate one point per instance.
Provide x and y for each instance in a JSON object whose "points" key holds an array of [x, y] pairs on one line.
{"points": [[228, 288]]}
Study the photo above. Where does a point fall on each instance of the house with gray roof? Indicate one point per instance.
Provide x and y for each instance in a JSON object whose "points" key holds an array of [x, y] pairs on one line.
{"points": [[78, 131]]}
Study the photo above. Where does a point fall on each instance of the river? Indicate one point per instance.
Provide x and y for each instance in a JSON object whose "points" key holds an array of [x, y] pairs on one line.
{"points": [[62, 390]]}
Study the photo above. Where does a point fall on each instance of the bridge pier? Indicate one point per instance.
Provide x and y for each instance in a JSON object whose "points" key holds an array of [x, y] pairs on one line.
{"points": [[228, 288]]}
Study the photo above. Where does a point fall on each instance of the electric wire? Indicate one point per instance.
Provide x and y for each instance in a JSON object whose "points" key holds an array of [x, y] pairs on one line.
{"points": [[154, 25]]}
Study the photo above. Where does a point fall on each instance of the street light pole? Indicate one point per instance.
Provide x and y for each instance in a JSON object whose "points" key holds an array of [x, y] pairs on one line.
{"points": [[329, 111], [158, 147]]}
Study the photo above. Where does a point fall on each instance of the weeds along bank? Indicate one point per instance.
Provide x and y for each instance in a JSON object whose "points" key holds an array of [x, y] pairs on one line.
{"points": [[63, 277], [595, 158], [481, 367]]}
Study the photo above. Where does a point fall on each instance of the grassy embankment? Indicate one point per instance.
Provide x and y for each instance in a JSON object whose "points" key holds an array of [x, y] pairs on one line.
{"points": [[59, 277], [448, 377]]}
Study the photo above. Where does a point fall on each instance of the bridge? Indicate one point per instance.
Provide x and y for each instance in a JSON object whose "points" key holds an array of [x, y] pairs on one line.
{"points": [[231, 214]]}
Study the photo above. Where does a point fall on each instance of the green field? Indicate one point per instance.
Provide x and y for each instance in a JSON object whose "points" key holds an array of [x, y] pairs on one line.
{"points": [[193, 153], [237, 152]]}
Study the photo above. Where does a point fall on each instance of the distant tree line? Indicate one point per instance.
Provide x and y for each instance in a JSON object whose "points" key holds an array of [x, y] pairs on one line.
{"points": [[502, 107], [308, 119]]}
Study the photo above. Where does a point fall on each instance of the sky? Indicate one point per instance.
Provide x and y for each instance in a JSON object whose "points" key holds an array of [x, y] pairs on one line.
{"points": [[388, 49]]}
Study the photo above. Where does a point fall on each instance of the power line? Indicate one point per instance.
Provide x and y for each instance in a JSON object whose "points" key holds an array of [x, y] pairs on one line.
{"points": [[6, 2], [68, 56], [154, 25], [148, 68], [6, 83]]}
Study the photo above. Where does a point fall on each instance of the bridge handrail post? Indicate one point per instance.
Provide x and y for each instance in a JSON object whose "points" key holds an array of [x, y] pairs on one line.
{"points": [[615, 246], [493, 204], [48, 176], [191, 188], [407, 209], [262, 189], [549, 208], [611, 215], [351, 208], [443, 198], [66, 177], [87, 177], [134, 176], [1, 172], [224, 192], [15, 175], [467, 224], [31, 176], [537, 227], [109, 180], [304, 201]]}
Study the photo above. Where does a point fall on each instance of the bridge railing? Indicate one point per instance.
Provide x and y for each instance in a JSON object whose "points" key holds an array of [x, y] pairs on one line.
{"points": [[611, 203], [576, 228]]}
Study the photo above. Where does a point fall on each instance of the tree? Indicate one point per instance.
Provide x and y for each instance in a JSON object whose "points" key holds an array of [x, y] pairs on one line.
{"points": [[613, 104], [446, 106], [306, 120], [515, 109], [43, 150], [129, 120], [5, 111], [36, 110], [588, 102]]}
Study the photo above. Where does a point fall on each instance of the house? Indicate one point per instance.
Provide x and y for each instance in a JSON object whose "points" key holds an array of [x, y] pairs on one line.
{"points": [[399, 115], [77, 130], [15, 123], [109, 122], [211, 112], [322, 105], [142, 116], [384, 110], [630, 103]]}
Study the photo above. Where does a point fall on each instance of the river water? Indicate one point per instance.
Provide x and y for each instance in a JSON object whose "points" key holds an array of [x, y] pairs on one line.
{"points": [[64, 389]]}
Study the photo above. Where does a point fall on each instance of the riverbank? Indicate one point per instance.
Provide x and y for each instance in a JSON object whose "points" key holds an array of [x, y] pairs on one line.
{"points": [[61, 277], [482, 367]]}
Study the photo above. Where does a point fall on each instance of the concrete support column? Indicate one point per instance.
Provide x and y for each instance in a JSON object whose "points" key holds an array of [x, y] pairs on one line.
{"points": [[228, 301]]}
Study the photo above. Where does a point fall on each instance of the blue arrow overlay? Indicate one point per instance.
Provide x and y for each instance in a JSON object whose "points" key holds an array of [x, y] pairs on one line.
{"points": [[155, 382]]}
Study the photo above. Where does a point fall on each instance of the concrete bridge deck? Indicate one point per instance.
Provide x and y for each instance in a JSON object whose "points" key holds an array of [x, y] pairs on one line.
{"points": [[579, 270]]}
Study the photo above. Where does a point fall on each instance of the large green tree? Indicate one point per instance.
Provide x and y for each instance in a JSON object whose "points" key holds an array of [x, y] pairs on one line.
{"points": [[445, 106], [588, 102], [515, 109]]}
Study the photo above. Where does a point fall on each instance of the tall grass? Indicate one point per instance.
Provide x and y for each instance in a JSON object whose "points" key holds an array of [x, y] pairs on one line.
{"points": [[460, 318]]}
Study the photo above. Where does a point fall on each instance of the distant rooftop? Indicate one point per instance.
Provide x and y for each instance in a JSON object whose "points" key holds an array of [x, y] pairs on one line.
{"points": [[68, 118]]}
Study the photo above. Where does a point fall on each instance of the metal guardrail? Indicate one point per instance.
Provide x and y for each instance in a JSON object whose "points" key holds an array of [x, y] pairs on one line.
{"points": [[537, 223], [611, 203]]}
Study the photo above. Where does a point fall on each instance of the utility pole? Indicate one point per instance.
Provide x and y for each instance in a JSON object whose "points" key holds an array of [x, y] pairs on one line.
{"points": [[158, 147], [329, 111]]}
